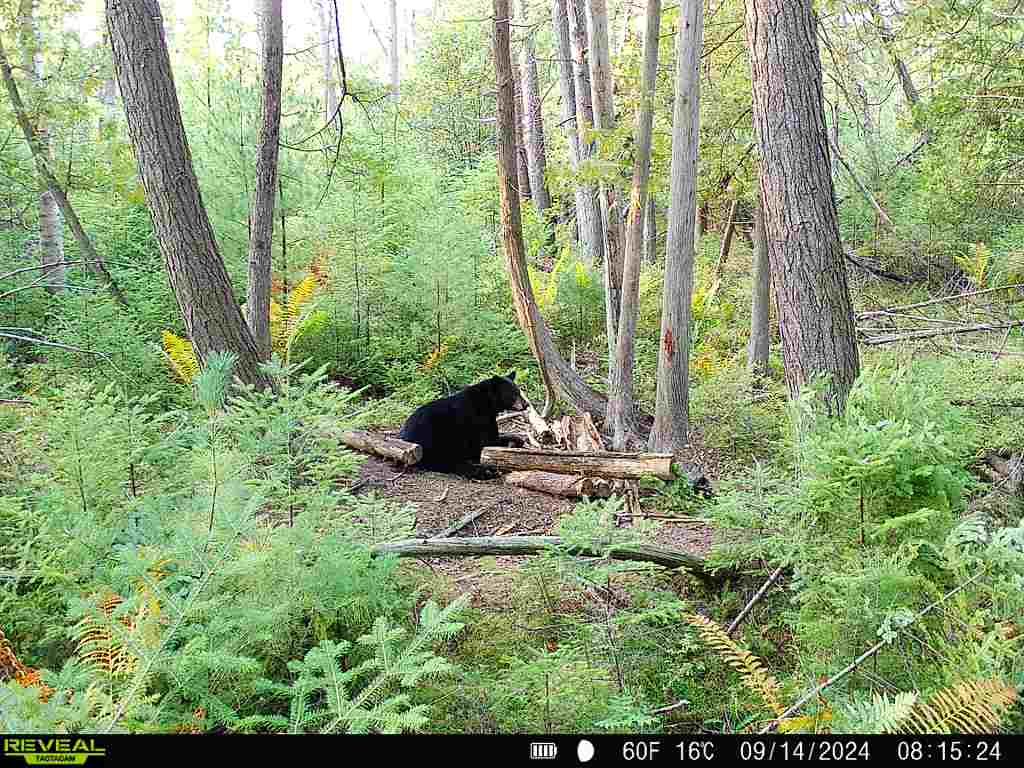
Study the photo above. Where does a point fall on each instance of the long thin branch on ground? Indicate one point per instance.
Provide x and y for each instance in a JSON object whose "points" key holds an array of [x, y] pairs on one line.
{"points": [[863, 657], [927, 334], [533, 545], [754, 600], [942, 300]]}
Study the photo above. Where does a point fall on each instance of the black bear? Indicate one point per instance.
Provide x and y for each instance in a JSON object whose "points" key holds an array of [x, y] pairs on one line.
{"points": [[454, 429]]}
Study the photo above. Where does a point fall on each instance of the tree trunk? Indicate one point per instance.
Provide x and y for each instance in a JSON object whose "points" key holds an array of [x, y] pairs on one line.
{"points": [[757, 352], [621, 402], [182, 227], [533, 130], [522, 166], [393, 57], [261, 219], [651, 231], [672, 401], [88, 252], [604, 120], [808, 271], [560, 380], [51, 230], [328, 50], [730, 232], [588, 211]]}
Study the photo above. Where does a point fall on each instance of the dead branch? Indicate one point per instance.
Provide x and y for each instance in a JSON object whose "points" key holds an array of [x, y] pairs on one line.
{"points": [[929, 333], [754, 600], [532, 545]]}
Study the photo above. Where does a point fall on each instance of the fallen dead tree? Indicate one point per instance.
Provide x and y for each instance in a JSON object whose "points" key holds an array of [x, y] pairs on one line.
{"points": [[532, 545], [630, 466], [932, 332], [386, 447]]}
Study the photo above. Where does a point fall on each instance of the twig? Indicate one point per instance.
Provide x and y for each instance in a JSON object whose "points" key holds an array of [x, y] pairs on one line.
{"points": [[862, 658], [754, 600], [462, 523], [670, 707], [1016, 403]]}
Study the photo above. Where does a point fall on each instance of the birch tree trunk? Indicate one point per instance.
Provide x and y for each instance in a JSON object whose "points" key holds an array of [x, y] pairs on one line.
{"points": [[621, 401], [393, 57], [51, 228], [757, 352], [328, 50], [808, 271], [261, 218], [588, 210], [672, 401], [182, 227], [88, 251], [560, 381], [604, 120]]}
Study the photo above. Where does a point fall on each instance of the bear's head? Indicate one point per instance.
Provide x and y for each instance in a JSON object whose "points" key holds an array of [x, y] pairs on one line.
{"points": [[506, 394]]}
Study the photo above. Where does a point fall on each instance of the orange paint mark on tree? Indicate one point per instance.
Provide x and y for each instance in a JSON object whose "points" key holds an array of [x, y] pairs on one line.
{"points": [[670, 344]]}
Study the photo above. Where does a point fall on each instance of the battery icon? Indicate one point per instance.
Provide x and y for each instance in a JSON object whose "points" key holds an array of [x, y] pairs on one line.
{"points": [[543, 750]]}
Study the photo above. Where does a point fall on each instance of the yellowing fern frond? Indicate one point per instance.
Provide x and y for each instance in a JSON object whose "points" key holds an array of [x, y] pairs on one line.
{"points": [[435, 357], [752, 671], [181, 356], [973, 706], [98, 646], [287, 320], [975, 265]]}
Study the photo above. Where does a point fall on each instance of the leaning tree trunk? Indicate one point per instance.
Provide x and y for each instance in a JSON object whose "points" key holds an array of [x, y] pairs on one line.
{"points": [[88, 252], [808, 271], [51, 230], [672, 401], [621, 402], [604, 120], [560, 380], [910, 92], [588, 209], [183, 231], [327, 54], [261, 219], [393, 56], [757, 352], [727, 238], [533, 129]]}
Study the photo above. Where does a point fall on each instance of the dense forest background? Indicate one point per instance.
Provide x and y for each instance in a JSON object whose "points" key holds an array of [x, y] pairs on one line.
{"points": [[179, 552]]}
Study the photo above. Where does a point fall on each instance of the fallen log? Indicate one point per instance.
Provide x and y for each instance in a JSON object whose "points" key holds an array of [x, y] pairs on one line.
{"points": [[631, 466], [386, 447], [929, 333], [569, 486], [532, 545]]}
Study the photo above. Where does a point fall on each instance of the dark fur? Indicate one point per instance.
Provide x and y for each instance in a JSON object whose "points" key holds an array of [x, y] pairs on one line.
{"points": [[454, 429]]}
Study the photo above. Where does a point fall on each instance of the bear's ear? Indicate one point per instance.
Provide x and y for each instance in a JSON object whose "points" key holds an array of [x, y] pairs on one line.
{"points": [[511, 376]]}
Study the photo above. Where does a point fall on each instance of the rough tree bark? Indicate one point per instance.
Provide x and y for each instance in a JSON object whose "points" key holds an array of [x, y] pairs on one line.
{"points": [[327, 53], [88, 252], [560, 380], [51, 228], [604, 120], [808, 270], [261, 238], [757, 352], [588, 209], [183, 231], [533, 128], [393, 55], [621, 401], [672, 401]]}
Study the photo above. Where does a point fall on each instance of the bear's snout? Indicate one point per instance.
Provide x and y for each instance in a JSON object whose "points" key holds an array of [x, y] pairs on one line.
{"points": [[520, 404]]}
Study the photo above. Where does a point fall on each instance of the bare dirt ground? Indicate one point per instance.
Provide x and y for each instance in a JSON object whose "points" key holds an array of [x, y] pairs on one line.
{"points": [[441, 500]]}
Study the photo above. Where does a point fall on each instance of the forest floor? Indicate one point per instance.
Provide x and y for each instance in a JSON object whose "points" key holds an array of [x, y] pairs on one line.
{"points": [[442, 500]]}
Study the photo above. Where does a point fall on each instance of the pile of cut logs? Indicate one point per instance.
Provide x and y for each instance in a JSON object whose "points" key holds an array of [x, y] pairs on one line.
{"points": [[566, 457]]}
